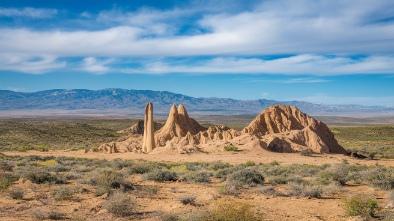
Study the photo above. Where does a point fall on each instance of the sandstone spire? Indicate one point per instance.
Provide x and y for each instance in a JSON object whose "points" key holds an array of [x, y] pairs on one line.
{"points": [[149, 140]]}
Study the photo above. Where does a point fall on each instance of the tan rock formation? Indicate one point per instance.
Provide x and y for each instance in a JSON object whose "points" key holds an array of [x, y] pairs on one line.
{"points": [[178, 125], [148, 140], [279, 128], [286, 129]]}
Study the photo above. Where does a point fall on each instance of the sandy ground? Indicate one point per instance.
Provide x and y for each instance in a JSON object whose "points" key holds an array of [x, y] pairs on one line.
{"points": [[151, 206], [258, 156]]}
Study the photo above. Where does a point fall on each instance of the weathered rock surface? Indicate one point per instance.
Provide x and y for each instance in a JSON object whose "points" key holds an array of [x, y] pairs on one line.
{"points": [[279, 128], [286, 129], [148, 143], [178, 125]]}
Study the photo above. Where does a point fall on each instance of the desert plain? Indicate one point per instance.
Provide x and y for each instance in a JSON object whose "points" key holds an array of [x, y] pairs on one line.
{"points": [[60, 169]]}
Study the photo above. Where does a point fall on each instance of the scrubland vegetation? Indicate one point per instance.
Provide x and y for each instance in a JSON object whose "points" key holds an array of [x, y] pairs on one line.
{"points": [[121, 187], [55, 188]]}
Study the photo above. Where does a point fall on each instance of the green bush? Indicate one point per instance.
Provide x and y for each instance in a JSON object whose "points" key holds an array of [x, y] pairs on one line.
{"points": [[198, 177], [161, 175], [120, 204], [250, 163], [230, 148], [246, 177], [304, 189], [361, 205], [106, 180], [232, 211], [6, 180], [143, 167], [40, 177]]}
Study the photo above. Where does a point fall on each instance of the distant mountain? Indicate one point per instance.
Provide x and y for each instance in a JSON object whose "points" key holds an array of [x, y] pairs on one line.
{"points": [[117, 99]]}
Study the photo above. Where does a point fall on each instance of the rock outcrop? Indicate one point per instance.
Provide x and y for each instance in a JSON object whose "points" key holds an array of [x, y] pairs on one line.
{"points": [[286, 129], [279, 128], [148, 143], [178, 125]]}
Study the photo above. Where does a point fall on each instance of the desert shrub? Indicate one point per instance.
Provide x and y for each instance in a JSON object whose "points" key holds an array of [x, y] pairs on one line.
{"points": [[217, 165], [161, 175], [230, 148], [196, 166], [380, 177], [143, 167], [270, 190], [246, 177], [42, 214], [40, 177], [120, 204], [198, 177], [42, 148], [169, 217], [306, 152], [6, 180], [222, 173], [331, 189], [277, 180], [47, 163], [179, 169], [63, 193], [303, 189], [151, 189], [232, 211], [361, 205], [120, 164], [227, 189], [337, 173], [6, 166], [250, 163], [16, 193], [106, 180], [187, 199]]}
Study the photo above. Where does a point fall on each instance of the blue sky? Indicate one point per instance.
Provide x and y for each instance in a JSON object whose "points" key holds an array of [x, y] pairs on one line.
{"points": [[331, 52]]}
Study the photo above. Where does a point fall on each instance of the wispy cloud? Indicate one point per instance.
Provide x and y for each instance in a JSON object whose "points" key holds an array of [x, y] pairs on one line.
{"points": [[294, 65], [30, 63], [35, 13], [326, 99]]}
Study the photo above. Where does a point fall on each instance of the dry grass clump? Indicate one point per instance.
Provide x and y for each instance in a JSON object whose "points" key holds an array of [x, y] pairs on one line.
{"points": [[161, 175], [120, 204], [43, 214], [187, 199], [16, 193], [361, 205]]}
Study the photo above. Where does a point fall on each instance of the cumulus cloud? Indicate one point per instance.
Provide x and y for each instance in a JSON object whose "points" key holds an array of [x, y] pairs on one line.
{"points": [[322, 36], [35, 13], [31, 64]]}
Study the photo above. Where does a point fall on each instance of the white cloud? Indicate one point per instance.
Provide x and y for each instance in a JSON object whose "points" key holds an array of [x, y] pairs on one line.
{"points": [[308, 29], [91, 64], [35, 13], [294, 65], [326, 99], [31, 64]]}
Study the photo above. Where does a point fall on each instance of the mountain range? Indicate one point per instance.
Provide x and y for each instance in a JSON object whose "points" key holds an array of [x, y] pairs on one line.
{"points": [[135, 101]]}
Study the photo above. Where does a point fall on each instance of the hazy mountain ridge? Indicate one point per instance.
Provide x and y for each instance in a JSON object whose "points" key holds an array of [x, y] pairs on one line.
{"points": [[79, 99]]}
